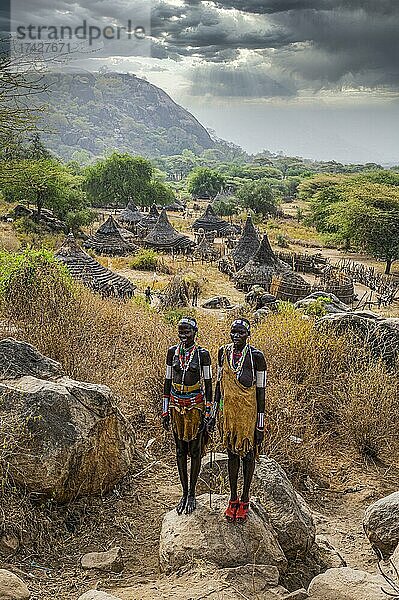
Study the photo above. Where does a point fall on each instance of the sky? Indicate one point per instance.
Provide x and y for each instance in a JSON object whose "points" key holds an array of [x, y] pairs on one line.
{"points": [[315, 78]]}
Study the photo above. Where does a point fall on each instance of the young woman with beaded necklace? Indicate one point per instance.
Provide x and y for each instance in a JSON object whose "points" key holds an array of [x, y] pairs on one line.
{"points": [[240, 394], [186, 406]]}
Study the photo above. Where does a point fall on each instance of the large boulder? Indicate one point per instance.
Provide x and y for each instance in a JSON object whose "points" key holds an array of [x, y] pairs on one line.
{"points": [[346, 583], [381, 524], [330, 302], [206, 536], [66, 438], [379, 335], [288, 512], [12, 587]]}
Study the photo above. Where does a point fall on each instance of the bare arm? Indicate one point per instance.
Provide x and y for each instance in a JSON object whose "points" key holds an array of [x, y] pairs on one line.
{"points": [[260, 368], [207, 373], [167, 386]]}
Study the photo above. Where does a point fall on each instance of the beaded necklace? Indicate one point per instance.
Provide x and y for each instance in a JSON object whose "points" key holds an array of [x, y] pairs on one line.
{"points": [[239, 366], [186, 355]]}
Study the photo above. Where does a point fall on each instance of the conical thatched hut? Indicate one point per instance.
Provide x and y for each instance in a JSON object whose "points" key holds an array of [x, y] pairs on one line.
{"points": [[260, 269], [87, 270], [246, 246], [130, 215], [206, 251], [108, 240], [211, 222], [165, 237], [148, 222]]}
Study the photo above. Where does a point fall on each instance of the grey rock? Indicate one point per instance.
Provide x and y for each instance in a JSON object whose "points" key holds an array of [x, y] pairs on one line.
{"points": [[67, 437], [110, 561], [288, 512], [19, 358], [217, 302], [205, 535], [345, 584], [381, 524], [326, 554], [12, 587]]}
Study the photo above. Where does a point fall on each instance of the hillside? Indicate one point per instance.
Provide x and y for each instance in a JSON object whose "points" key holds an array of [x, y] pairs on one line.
{"points": [[100, 112]]}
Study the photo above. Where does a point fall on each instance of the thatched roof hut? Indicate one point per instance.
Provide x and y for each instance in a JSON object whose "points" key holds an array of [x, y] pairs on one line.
{"points": [[289, 286], [91, 273], [246, 246], [148, 222], [206, 251], [108, 240], [165, 237], [211, 222], [130, 215], [260, 268]]}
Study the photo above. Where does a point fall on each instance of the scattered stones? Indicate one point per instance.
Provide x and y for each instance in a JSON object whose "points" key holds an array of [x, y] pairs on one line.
{"points": [[345, 583], [332, 306], [111, 560], [96, 595], [68, 439], [205, 535], [381, 524], [381, 336], [288, 512], [217, 302], [12, 587]]}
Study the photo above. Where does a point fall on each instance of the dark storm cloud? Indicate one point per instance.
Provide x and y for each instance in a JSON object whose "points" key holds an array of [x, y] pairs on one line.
{"points": [[317, 43]]}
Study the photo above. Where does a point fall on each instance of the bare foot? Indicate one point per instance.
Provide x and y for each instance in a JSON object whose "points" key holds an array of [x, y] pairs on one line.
{"points": [[182, 505], [191, 505]]}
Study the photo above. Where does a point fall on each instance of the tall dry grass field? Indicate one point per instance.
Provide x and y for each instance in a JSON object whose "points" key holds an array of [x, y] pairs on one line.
{"points": [[324, 392]]}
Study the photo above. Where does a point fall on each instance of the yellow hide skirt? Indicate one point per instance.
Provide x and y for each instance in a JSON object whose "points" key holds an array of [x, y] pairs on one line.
{"points": [[239, 413], [185, 423]]}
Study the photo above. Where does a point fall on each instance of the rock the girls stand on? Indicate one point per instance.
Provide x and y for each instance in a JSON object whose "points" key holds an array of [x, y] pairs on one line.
{"points": [[240, 396], [187, 405]]}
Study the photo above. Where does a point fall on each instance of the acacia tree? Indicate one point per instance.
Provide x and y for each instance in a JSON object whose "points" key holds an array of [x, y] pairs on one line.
{"points": [[110, 182], [372, 225], [258, 196], [205, 182], [45, 183]]}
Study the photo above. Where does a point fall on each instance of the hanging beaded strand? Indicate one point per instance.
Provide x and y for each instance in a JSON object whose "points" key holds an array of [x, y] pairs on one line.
{"points": [[185, 358], [240, 364]]}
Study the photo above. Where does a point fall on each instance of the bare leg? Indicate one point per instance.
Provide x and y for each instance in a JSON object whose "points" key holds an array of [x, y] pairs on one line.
{"points": [[195, 453], [233, 467], [181, 458], [248, 467]]}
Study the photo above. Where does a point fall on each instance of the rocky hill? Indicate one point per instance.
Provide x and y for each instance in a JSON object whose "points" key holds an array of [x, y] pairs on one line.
{"points": [[101, 112]]}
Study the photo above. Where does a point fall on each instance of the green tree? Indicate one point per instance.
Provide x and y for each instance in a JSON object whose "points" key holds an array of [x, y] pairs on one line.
{"points": [[258, 196], [205, 182], [110, 182], [45, 184], [159, 193], [371, 223]]}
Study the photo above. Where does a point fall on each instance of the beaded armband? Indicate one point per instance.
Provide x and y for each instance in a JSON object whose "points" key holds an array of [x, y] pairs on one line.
{"points": [[260, 423], [165, 406]]}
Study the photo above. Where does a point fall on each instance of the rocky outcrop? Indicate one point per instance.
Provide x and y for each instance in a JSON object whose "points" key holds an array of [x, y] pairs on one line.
{"points": [[381, 524], [330, 302], [66, 437], [379, 335], [345, 584], [288, 512], [204, 535], [12, 587], [121, 111]]}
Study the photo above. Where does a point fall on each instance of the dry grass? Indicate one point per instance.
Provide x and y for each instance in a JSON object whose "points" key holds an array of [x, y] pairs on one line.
{"points": [[324, 398]]}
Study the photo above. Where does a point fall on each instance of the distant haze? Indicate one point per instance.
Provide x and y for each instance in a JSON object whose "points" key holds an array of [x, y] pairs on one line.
{"points": [[317, 78]]}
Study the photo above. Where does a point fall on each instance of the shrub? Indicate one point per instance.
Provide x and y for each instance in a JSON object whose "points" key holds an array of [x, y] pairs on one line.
{"points": [[148, 260]]}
